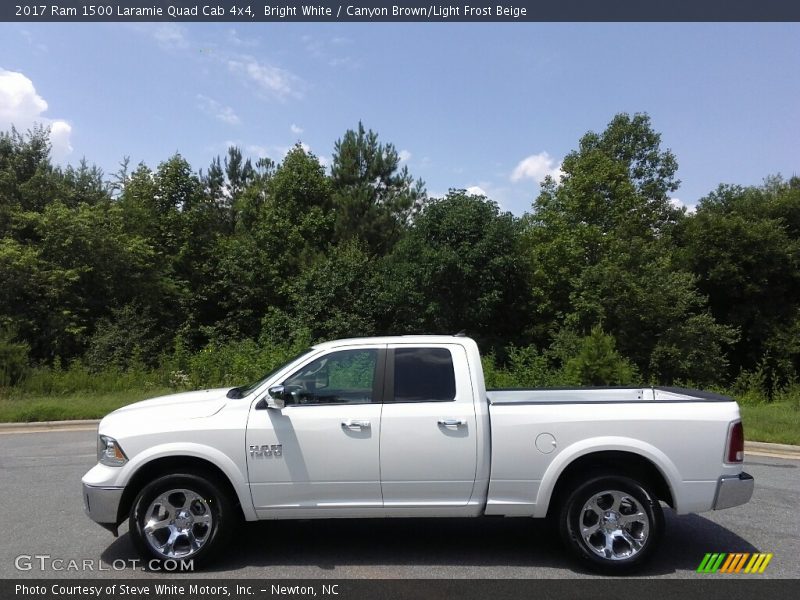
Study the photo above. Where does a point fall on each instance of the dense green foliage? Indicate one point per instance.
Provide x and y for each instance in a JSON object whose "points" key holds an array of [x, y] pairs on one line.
{"points": [[174, 278]]}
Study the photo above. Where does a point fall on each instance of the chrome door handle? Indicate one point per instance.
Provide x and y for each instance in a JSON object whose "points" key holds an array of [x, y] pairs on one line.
{"points": [[355, 424], [452, 422]]}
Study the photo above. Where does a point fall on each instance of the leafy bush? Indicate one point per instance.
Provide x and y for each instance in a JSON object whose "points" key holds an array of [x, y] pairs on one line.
{"points": [[751, 387], [131, 335], [790, 394], [56, 381], [13, 360], [237, 363], [599, 363], [525, 367]]}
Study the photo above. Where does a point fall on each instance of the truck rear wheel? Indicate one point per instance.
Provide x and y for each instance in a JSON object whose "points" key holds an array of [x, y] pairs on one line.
{"points": [[181, 517], [612, 522]]}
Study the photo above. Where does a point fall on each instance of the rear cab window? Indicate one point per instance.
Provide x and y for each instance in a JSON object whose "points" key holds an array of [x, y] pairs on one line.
{"points": [[423, 375]]}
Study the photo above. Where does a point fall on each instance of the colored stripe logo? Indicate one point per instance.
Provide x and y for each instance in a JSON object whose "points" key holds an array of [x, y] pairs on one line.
{"points": [[736, 562]]}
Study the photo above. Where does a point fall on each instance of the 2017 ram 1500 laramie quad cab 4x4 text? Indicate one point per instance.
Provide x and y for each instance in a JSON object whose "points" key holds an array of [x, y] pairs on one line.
{"points": [[404, 427]]}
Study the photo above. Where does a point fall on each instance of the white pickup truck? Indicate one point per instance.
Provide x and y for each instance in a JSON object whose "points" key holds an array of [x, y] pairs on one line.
{"points": [[404, 427]]}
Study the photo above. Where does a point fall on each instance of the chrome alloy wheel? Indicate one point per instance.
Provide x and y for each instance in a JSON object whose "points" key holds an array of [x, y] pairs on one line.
{"points": [[178, 523], [614, 525]]}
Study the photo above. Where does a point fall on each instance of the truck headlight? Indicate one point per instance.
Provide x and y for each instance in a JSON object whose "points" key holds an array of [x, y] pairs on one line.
{"points": [[109, 452]]}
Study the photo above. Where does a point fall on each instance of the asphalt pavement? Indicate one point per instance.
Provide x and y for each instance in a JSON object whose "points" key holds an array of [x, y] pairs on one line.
{"points": [[45, 534]]}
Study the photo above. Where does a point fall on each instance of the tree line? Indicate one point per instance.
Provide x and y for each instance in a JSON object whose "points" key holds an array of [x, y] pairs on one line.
{"points": [[603, 281]]}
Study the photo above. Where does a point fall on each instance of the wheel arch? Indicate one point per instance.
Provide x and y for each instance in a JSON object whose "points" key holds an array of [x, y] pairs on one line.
{"points": [[632, 458], [181, 463]]}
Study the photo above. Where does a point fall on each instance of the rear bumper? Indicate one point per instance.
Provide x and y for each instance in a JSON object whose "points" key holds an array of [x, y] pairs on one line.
{"points": [[734, 490]]}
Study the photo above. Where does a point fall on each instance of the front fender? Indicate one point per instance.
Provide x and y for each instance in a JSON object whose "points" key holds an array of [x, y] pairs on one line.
{"points": [[234, 472]]}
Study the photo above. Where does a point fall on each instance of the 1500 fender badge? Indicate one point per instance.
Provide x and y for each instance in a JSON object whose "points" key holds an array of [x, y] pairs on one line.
{"points": [[266, 450]]}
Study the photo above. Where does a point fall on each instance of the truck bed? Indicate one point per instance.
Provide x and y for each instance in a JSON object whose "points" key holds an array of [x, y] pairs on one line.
{"points": [[682, 432]]}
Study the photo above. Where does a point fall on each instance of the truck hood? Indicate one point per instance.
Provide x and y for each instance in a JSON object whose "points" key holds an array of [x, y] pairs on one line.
{"points": [[152, 413]]}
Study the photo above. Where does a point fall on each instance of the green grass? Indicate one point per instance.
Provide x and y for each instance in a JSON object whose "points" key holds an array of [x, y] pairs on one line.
{"points": [[88, 405], [777, 422]]}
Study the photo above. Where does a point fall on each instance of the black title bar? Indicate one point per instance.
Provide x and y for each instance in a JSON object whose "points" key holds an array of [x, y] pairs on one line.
{"points": [[402, 10]]}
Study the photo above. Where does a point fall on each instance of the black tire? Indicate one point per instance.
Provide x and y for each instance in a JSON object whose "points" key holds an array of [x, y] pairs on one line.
{"points": [[189, 507], [617, 533]]}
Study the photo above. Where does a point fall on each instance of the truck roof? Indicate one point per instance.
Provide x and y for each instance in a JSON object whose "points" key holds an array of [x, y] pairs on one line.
{"points": [[396, 339]]}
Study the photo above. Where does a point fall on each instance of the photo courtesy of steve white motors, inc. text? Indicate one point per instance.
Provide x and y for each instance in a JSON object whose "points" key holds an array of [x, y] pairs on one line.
{"points": [[143, 590]]}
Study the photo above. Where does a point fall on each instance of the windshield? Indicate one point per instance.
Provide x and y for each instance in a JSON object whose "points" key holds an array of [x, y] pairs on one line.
{"points": [[244, 390]]}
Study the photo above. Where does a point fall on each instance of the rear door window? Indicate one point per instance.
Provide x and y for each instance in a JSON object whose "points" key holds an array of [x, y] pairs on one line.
{"points": [[424, 375]]}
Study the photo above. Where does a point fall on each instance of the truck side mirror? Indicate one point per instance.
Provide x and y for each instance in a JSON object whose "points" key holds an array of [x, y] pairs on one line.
{"points": [[276, 397]]}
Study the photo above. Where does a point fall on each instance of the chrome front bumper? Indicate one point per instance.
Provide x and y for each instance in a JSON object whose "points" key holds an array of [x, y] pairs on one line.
{"points": [[101, 504], [734, 490]]}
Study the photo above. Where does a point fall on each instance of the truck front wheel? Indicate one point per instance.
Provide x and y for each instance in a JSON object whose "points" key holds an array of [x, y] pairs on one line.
{"points": [[181, 517], [612, 522]]}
